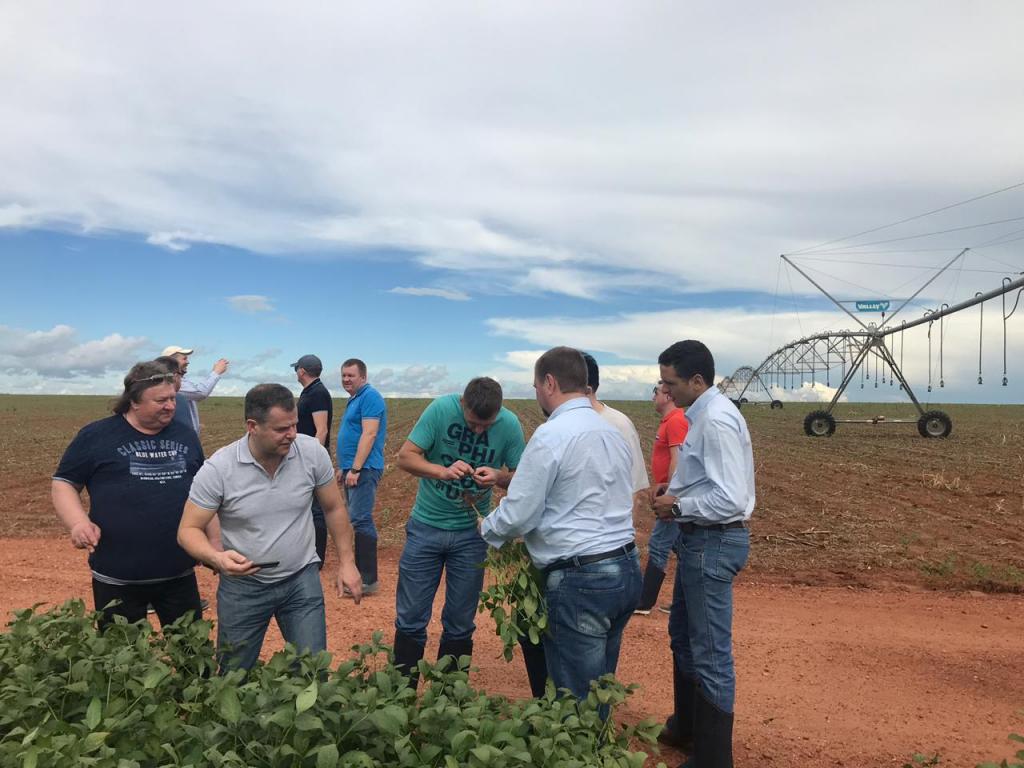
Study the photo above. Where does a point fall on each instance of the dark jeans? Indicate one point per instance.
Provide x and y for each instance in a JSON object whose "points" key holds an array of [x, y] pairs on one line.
{"points": [[428, 551], [319, 531], [170, 599], [700, 624], [588, 608]]}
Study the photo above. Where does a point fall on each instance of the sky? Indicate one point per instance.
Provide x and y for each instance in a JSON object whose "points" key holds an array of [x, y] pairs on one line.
{"points": [[445, 190]]}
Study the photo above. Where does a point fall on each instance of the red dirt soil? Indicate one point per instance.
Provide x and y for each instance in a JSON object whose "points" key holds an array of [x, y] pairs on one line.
{"points": [[827, 676]]}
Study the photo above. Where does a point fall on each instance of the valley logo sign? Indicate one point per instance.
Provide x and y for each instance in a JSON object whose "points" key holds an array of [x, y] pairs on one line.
{"points": [[872, 306]]}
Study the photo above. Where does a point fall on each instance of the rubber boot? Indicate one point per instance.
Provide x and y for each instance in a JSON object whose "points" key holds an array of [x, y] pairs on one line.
{"points": [[712, 736], [366, 559], [653, 577], [678, 730], [456, 649], [536, 666], [408, 653]]}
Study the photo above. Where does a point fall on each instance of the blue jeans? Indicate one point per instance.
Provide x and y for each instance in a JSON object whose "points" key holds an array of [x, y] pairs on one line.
{"points": [[361, 499], [428, 551], [662, 541], [700, 624], [588, 608], [245, 607]]}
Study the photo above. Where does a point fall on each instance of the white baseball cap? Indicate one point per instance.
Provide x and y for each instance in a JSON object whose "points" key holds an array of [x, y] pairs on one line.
{"points": [[173, 350]]}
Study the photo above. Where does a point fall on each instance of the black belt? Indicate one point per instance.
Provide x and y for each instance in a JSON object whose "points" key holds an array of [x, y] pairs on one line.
{"points": [[693, 527], [576, 562]]}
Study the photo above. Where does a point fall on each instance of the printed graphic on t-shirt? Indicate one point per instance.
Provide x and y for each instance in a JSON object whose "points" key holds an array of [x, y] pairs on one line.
{"points": [[462, 444], [155, 460]]}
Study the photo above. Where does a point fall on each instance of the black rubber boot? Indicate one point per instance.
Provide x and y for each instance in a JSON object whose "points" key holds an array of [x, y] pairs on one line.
{"points": [[678, 730], [712, 736], [455, 648], [653, 577], [408, 653], [536, 665], [366, 558]]}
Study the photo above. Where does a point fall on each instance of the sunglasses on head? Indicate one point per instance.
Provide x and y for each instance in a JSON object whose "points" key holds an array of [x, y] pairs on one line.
{"points": [[168, 377]]}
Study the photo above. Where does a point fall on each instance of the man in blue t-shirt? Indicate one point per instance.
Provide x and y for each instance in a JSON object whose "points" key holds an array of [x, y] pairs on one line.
{"points": [[460, 448], [138, 466], [361, 462]]}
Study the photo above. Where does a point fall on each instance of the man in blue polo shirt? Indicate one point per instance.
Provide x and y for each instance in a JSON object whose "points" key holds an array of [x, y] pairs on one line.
{"points": [[361, 462]]}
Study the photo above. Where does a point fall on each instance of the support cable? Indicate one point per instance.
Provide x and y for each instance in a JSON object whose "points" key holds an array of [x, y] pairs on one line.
{"points": [[913, 218]]}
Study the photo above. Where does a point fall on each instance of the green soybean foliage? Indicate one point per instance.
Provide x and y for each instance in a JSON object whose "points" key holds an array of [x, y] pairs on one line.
{"points": [[134, 698]]}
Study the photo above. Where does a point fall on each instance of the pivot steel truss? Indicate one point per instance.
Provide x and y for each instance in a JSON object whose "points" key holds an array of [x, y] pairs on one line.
{"points": [[865, 351]]}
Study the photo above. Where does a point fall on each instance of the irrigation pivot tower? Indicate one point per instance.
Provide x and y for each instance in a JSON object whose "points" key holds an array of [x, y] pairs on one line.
{"points": [[857, 350]]}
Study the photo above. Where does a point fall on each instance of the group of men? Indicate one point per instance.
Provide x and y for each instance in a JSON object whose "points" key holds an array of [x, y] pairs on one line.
{"points": [[258, 512]]}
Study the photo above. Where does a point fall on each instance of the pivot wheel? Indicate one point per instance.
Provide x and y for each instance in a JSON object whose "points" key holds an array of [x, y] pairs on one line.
{"points": [[819, 424], [934, 424], [776, 404], [737, 403]]}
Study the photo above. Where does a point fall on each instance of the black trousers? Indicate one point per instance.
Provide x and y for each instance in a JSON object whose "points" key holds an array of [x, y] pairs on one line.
{"points": [[170, 599]]}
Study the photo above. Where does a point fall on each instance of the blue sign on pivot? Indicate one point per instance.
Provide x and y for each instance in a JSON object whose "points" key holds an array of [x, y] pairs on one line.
{"points": [[872, 306]]}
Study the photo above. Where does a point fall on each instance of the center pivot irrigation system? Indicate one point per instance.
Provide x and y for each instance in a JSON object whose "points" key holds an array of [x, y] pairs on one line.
{"points": [[866, 351]]}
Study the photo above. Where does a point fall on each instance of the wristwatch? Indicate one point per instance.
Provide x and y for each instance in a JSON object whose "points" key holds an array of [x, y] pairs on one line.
{"points": [[357, 470], [677, 511]]}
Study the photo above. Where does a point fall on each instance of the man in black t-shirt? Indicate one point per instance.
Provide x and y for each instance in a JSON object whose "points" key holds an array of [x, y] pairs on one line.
{"points": [[138, 467], [315, 413]]}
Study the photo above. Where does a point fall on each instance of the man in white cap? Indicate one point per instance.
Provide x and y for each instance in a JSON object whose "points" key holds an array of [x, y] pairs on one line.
{"points": [[192, 391]]}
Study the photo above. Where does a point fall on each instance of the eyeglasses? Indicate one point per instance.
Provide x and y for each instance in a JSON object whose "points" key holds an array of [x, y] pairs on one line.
{"points": [[166, 377]]}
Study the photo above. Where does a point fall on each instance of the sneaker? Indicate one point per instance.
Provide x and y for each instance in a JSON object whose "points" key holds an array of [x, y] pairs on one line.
{"points": [[665, 608], [368, 589], [204, 604], [642, 611], [150, 609]]}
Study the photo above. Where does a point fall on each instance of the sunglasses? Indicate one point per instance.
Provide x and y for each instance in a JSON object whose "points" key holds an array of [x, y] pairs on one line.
{"points": [[166, 377]]}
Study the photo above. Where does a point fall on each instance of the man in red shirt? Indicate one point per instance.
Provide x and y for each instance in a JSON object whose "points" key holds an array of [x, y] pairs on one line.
{"points": [[671, 434]]}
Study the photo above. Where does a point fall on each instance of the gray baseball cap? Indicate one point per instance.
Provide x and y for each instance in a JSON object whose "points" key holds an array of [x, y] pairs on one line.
{"points": [[310, 363]]}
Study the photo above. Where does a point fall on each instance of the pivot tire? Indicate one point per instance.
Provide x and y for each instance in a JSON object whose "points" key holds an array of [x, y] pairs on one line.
{"points": [[819, 424], [744, 400], [776, 404], [934, 424]]}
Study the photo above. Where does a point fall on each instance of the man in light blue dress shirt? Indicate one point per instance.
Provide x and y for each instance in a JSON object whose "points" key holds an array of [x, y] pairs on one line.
{"points": [[710, 497], [571, 500]]}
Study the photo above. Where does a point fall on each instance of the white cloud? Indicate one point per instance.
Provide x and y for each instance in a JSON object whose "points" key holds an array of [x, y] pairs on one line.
{"points": [[677, 140], [32, 359], [450, 294], [739, 337], [251, 303], [413, 381]]}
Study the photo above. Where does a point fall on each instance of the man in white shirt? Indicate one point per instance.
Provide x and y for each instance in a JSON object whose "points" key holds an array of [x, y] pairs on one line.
{"points": [[191, 392], [571, 501], [619, 420], [710, 497]]}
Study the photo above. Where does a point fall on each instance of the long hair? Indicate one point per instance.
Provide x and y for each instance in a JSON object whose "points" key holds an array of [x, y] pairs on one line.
{"points": [[141, 377]]}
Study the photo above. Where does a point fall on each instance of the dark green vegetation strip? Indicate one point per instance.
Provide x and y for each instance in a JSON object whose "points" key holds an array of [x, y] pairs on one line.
{"points": [[132, 698]]}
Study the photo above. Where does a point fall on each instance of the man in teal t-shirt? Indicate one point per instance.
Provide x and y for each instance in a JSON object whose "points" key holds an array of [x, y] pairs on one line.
{"points": [[460, 448]]}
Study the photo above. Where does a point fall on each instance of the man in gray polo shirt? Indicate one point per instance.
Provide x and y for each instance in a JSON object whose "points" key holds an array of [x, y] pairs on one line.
{"points": [[261, 488]]}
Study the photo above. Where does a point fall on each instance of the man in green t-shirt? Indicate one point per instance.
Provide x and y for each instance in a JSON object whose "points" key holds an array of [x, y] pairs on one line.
{"points": [[460, 448]]}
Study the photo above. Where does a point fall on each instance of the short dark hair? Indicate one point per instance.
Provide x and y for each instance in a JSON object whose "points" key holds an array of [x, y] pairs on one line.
{"points": [[170, 362], [566, 365], [483, 397], [593, 372], [261, 398], [688, 358], [141, 377], [357, 363]]}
